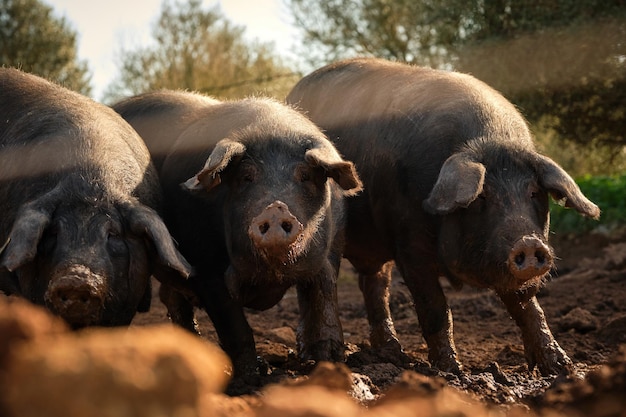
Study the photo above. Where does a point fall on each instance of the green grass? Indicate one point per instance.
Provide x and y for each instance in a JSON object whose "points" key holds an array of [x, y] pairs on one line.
{"points": [[608, 192]]}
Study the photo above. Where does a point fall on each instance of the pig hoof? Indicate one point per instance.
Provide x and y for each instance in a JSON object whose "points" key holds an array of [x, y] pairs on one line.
{"points": [[551, 361], [324, 350], [249, 370], [391, 351], [389, 343], [448, 364], [186, 322]]}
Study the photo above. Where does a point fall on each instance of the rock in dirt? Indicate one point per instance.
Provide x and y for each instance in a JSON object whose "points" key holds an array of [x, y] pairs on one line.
{"points": [[275, 353], [325, 392], [599, 394], [284, 335], [416, 394], [579, 320], [614, 331]]}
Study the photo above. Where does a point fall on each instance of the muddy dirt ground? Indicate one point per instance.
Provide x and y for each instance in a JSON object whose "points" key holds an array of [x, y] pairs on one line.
{"points": [[584, 302]]}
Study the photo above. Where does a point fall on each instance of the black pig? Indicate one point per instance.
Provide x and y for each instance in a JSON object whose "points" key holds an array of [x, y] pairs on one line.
{"points": [[261, 209], [453, 187], [78, 196]]}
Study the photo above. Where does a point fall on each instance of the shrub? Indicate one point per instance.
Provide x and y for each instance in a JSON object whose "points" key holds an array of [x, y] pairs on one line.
{"points": [[608, 192]]}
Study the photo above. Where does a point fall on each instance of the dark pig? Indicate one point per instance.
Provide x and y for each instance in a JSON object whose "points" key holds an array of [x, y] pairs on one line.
{"points": [[453, 186], [261, 208], [78, 196], [159, 116]]}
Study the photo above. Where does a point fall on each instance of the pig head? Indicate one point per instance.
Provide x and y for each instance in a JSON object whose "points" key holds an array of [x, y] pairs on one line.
{"points": [[278, 210], [87, 259], [495, 215]]}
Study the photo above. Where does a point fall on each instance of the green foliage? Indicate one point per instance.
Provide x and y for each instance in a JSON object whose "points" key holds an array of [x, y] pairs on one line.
{"points": [[399, 30], [200, 50], [35, 41], [576, 158], [608, 192]]}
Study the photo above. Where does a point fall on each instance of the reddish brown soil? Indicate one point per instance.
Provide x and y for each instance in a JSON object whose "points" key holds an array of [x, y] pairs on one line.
{"points": [[585, 305]]}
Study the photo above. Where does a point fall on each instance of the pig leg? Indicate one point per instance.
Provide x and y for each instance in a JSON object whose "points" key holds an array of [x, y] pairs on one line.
{"points": [[540, 348], [319, 334], [375, 290], [179, 309], [433, 313], [233, 330]]}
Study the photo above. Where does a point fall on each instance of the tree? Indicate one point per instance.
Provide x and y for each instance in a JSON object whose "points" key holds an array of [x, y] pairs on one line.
{"points": [[413, 31], [35, 41], [200, 50], [563, 62]]}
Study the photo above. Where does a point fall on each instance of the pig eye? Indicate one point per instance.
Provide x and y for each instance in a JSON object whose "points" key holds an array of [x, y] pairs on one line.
{"points": [[534, 192], [246, 173], [308, 174], [116, 244]]}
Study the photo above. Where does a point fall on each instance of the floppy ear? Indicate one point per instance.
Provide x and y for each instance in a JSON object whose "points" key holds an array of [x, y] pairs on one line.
{"points": [[223, 154], [31, 221], [21, 246], [460, 181], [146, 222], [563, 188], [341, 171]]}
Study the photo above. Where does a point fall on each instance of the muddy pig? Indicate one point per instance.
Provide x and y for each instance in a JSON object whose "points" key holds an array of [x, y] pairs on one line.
{"points": [[453, 186], [260, 209], [78, 197]]}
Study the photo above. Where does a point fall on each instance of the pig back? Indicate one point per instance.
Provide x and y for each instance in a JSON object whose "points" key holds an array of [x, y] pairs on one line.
{"points": [[161, 116], [399, 123], [72, 133]]}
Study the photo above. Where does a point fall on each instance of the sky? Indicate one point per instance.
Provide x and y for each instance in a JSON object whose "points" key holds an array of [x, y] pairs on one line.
{"points": [[103, 27]]}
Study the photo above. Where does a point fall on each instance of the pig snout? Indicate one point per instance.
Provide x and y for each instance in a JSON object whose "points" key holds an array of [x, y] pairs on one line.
{"points": [[77, 296], [275, 230], [530, 257]]}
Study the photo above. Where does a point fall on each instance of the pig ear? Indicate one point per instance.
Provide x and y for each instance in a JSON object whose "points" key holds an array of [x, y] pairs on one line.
{"points": [[563, 188], [460, 182], [144, 221], [21, 246], [224, 152], [343, 172], [29, 225]]}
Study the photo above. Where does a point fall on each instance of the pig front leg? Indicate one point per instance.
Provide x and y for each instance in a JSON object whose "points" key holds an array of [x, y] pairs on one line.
{"points": [[234, 332], [319, 333], [179, 309], [433, 313], [540, 348]]}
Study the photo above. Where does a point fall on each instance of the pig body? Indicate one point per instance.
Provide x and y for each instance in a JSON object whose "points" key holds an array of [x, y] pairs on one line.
{"points": [[78, 197], [260, 209], [453, 186]]}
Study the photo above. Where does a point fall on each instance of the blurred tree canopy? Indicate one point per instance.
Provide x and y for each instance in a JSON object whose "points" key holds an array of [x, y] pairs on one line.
{"points": [[200, 50], [34, 40], [563, 62]]}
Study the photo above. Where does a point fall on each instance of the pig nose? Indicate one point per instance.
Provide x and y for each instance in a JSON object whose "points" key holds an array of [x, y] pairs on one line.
{"points": [[76, 300], [275, 227], [530, 258]]}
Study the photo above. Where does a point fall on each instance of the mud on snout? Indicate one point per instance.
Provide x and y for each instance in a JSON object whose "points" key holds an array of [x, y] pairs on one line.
{"points": [[77, 294]]}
